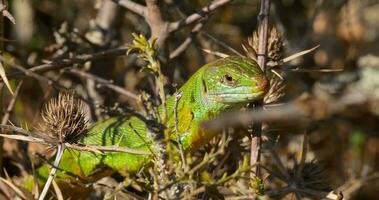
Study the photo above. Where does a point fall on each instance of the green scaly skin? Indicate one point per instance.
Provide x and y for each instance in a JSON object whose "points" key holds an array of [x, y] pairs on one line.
{"points": [[224, 84]]}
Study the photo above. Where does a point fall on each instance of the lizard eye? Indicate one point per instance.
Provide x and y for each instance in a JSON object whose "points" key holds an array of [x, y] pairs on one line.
{"points": [[228, 79]]}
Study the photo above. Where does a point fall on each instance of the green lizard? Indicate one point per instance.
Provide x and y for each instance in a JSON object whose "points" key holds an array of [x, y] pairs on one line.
{"points": [[224, 84]]}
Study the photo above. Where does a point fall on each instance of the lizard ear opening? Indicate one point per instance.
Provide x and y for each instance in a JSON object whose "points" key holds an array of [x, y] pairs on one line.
{"points": [[205, 90]]}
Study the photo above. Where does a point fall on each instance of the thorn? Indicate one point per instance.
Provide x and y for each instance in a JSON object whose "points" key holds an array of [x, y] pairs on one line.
{"points": [[277, 74], [218, 54]]}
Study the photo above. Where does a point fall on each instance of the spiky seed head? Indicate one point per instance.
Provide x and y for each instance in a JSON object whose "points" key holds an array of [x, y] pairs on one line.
{"points": [[312, 176], [275, 45], [253, 44], [64, 119], [275, 53], [275, 92]]}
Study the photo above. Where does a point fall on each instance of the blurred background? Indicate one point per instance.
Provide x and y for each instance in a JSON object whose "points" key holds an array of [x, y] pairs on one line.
{"points": [[345, 144]]}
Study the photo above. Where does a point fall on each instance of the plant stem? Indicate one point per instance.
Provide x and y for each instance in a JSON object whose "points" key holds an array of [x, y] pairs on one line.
{"points": [[58, 158], [263, 21], [181, 151]]}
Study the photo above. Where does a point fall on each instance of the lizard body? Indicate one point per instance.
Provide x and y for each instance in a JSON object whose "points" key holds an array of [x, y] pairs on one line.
{"points": [[224, 84]]}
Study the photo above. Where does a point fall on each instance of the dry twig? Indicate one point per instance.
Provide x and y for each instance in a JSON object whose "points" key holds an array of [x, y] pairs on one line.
{"points": [[104, 82], [80, 59], [5, 119]]}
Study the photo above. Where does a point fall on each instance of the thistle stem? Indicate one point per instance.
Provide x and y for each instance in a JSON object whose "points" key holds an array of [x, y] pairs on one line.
{"points": [[58, 158], [263, 20]]}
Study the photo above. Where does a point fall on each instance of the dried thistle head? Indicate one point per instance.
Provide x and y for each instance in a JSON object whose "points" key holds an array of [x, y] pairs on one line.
{"points": [[275, 53], [275, 45], [276, 90], [312, 176], [63, 119]]}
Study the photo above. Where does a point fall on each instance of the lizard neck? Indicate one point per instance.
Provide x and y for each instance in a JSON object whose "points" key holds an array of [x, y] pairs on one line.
{"points": [[192, 108]]}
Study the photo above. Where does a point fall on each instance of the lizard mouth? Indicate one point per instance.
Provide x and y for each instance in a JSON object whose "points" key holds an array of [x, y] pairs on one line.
{"points": [[237, 97], [243, 94]]}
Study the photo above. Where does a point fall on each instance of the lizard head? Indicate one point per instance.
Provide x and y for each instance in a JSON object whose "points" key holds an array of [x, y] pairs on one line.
{"points": [[234, 80], [224, 84]]}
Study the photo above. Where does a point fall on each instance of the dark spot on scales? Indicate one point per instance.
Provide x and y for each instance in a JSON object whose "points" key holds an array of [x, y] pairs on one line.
{"points": [[204, 86], [192, 98]]}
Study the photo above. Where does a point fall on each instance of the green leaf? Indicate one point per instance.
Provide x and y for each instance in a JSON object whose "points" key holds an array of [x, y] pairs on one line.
{"points": [[258, 186]]}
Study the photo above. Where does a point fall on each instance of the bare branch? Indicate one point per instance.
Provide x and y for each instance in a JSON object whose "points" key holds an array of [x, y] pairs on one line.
{"points": [[27, 72], [132, 6], [5, 118], [180, 49], [204, 12], [80, 59], [105, 83], [223, 44], [22, 137], [101, 28], [11, 104], [157, 23], [16, 189], [5, 12]]}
